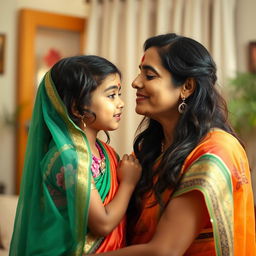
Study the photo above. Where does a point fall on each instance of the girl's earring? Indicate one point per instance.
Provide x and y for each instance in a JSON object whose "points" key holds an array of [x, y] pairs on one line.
{"points": [[183, 105], [83, 122]]}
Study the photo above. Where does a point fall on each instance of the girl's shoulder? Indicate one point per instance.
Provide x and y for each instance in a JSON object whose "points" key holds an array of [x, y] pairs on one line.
{"points": [[110, 150], [106, 145], [54, 152], [54, 157]]}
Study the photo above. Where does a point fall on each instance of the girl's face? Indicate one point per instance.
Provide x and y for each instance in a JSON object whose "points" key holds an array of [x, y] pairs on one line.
{"points": [[157, 97], [107, 104]]}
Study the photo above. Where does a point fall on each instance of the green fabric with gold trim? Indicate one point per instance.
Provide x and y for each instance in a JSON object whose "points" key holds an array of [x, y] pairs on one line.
{"points": [[52, 212]]}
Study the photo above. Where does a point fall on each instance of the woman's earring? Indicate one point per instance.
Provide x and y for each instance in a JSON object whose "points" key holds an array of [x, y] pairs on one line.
{"points": [[183, 106]]}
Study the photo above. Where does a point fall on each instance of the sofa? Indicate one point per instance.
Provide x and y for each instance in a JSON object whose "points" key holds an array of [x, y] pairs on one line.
{"points": [[8, 204]]}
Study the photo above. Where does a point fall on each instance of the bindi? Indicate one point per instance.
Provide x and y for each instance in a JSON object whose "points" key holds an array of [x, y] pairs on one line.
{"points": [[142, 59]]}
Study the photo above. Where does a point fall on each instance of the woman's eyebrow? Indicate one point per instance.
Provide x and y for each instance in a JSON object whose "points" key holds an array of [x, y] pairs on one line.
{"points": [[147, 67]]}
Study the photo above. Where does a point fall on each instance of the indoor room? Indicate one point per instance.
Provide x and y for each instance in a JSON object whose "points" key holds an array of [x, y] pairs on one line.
{"points": [[35, 35]]}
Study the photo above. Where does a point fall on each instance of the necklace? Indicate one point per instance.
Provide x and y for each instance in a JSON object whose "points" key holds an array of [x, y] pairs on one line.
{"points": [[162, 147], [98, 164]]}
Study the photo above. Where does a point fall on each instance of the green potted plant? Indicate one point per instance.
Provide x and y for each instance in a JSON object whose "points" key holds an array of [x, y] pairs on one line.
{"points": [[242, 102]]}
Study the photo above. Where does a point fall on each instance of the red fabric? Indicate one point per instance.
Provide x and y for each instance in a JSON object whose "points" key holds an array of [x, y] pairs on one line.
{"points": [[116, 239]]}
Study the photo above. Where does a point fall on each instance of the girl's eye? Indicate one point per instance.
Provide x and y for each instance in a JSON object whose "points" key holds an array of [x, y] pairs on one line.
{"points": [[112, 96]]}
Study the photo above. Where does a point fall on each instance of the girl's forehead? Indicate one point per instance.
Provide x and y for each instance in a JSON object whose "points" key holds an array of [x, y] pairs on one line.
{"points": [[110, 80]]}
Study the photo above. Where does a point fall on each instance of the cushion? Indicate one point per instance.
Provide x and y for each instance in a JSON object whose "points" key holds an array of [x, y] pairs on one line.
{"points": [[8, 204]]}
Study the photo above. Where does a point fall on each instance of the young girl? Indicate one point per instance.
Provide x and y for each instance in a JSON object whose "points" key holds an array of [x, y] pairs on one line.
{"points": [[70, 201]]}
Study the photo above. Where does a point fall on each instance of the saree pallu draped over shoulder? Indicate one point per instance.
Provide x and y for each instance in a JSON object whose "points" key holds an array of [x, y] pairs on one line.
{"points": [[52, 211], [218, 168]]}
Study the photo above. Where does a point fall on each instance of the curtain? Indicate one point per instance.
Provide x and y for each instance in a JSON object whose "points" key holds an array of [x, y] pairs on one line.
{"points": [[117, 30]]}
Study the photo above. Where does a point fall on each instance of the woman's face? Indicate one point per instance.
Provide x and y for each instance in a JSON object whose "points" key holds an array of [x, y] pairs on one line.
{"points": [[157, 97]]}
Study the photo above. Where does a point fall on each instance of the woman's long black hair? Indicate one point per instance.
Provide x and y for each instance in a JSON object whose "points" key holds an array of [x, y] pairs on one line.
{"points": [[184, 58]]}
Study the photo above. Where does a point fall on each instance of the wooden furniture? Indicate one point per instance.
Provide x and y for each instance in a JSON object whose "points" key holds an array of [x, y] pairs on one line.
{"points": [[29, 23]]}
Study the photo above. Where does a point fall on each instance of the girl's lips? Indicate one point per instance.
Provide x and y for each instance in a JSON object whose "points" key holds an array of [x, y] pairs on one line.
{"points": [[117, 117]]}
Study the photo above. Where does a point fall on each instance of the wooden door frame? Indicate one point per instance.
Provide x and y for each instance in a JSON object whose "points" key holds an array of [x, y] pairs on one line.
{"points": [[29, 21]]}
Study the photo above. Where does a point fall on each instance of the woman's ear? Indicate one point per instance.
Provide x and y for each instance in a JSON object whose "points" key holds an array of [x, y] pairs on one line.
{"points": [[189, 87]]}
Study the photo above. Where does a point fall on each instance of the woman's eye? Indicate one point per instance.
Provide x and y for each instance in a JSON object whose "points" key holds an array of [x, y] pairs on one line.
{"points": [[150, 77]]}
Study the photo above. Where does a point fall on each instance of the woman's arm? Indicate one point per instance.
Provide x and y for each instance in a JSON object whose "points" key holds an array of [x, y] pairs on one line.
{"points": [[103, 219], [179, 225]]}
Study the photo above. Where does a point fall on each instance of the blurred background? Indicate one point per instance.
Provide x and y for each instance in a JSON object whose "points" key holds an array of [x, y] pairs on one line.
{"points": [[35, 34]]}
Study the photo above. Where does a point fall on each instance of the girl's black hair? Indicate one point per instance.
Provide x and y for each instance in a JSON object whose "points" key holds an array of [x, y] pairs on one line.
{"points": [[184, 58], [75, 78]]}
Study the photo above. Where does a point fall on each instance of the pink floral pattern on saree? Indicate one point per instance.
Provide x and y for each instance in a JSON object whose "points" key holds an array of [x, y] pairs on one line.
{"points": [[60, 178], [65, 178]]}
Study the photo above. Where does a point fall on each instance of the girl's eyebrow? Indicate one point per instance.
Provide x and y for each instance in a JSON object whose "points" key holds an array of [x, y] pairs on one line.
{"points": [[147, 67], [112, 87]]}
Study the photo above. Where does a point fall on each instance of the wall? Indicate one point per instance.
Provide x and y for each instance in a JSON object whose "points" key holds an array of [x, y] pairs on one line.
{"points": [[245, 31], [7, 92], [8, 25]]}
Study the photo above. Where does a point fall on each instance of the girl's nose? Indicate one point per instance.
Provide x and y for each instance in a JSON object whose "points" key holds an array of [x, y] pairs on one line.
{"points": [[121, 103]]}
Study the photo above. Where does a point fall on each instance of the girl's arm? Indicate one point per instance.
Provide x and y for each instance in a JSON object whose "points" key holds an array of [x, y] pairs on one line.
{"points": [[103, 219], [179, 225]]}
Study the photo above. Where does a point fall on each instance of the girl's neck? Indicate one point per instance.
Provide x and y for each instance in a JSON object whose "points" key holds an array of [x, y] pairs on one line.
{"points": [[92, 136]]}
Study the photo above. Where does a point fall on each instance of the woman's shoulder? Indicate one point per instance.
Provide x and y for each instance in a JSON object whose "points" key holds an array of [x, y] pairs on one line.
{"points": [[216, 142], [220, 140]]}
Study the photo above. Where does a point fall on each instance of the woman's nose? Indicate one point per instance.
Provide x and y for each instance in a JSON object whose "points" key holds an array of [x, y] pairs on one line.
{"points": [[137, 83]]}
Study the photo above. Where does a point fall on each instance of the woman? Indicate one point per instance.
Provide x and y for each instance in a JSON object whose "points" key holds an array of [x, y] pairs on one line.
{"points": [[71, 202], [195, 195]]}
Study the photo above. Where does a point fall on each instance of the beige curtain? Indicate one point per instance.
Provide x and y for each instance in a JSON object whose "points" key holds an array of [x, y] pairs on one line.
{"points": [[117, 30]]}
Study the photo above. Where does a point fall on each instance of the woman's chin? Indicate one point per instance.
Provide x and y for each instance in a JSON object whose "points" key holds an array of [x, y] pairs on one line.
{"points": [[139, 110]]}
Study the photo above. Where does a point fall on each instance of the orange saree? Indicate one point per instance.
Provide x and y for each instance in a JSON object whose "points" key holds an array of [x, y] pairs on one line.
{"points": [[218, 168], [116, 239]]}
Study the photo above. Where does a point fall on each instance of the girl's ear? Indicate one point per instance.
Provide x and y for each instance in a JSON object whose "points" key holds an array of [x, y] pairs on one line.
{"points": [[188, 87], [75, 112]]}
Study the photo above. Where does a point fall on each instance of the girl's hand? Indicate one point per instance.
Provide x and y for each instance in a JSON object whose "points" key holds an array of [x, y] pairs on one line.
{"points": [[129, 170], [104, 218]]}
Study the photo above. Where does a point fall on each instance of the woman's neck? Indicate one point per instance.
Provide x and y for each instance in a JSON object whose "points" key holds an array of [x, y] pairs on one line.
{"points": [[168, 122], [168, 130]]}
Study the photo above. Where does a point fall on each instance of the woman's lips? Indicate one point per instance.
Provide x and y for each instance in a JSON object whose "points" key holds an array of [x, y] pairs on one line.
{"points": [[141, 97]]}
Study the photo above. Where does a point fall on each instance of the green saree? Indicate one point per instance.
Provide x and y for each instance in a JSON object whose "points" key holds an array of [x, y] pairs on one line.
{"points": [[52, 211]]}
